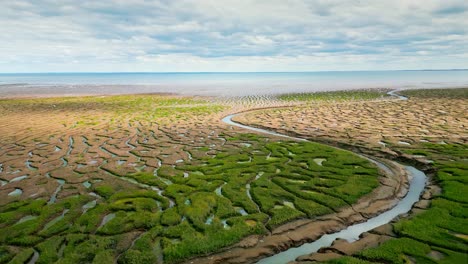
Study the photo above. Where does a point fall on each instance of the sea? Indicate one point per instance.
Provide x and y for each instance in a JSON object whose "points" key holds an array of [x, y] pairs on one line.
{"points": [[222, 84]]}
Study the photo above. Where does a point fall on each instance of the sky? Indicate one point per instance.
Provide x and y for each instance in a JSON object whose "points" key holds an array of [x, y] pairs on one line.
{"points": [[232, 35]]}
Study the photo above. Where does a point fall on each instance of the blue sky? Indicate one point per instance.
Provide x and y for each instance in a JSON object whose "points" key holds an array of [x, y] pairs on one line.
{"points": [[234, 35]]}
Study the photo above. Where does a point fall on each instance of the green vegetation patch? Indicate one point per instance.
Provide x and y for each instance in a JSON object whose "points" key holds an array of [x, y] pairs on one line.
{"points": [[443, 227], [139, 107], [190, 208], [455, 93], [336, 95]]}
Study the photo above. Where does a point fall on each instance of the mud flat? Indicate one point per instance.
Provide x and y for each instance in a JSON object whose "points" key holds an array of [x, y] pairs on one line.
{"points": [[140, 177], [432, 123], [353, 232], [371, 211], [180, 184], [384, 202]]}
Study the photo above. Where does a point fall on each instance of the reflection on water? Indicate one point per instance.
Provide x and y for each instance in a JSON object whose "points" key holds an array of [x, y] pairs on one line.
{"points": [[16, 192], [106, 219]]}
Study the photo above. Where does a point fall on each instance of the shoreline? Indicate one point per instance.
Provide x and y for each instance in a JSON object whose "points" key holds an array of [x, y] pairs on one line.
{"points": [[22, 90], [78, 95]]}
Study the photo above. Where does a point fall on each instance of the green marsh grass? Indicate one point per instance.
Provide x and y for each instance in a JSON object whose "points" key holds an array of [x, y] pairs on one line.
{"points": [[189, 217], [335, 96], [443, 227], [458, 93]]}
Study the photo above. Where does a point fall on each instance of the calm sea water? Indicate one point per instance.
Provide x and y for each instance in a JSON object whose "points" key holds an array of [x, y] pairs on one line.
{"points": [[221, 84]]}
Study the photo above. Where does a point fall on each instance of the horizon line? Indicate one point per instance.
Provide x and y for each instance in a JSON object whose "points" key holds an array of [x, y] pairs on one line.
{"points": [[216, 72]]}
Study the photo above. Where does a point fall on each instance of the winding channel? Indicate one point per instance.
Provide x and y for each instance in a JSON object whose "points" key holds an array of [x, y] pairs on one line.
{"points": [[417, 182]]}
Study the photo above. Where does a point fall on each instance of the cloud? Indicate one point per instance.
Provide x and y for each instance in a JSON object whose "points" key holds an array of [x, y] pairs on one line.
{"points": [[228, 35]]}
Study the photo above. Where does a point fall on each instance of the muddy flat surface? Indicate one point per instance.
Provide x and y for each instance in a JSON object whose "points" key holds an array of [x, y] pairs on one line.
{"points": [[428, 130], [155, 177], [371, 124], [161, 178]]}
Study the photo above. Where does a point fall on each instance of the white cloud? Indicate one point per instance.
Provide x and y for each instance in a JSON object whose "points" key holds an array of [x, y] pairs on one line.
{"points": [[259, 40], [228, 35]]}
